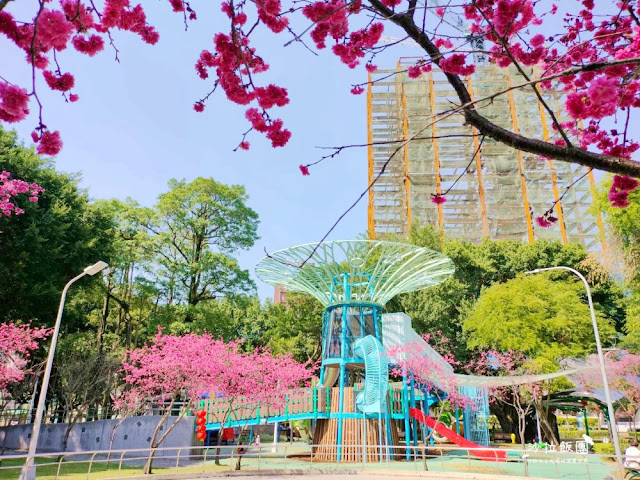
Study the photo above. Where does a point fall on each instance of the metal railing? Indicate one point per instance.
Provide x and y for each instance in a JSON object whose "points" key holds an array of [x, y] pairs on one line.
{"points": [[279, 457]]}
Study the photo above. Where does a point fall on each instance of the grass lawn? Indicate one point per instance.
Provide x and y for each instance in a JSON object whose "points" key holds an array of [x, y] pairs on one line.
{"points": [[77, 470]]}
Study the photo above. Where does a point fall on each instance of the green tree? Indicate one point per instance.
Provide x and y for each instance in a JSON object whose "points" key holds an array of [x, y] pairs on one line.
{"points": [[296, 326], [52, 242], [196, 227], [543, 319], [624, 225], [540, 318], [479, 266]]}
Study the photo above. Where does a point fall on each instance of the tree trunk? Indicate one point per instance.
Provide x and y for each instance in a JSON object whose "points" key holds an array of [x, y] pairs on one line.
{"points": [[113, 436], [155, 442], [507, 417], [67, 432], [219, 442], [149, 465], [548, 431]]}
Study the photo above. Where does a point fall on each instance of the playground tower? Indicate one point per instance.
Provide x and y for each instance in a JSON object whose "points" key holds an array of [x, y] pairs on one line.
{"points": [[354, 280], [493, 191], [356, 411]]}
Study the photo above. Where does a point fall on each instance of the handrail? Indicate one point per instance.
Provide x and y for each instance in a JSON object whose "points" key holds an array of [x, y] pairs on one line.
{"points": [[198, 457]]}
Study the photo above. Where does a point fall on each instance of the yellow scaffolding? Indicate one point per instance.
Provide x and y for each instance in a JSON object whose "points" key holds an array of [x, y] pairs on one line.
{"points": [[500, 192]]}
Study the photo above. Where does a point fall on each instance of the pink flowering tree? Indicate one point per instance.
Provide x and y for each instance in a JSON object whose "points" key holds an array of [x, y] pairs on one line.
{"points": [[17, 342], [10, 189], [430, 373], [183, 368], [623, 374], [518, 397], [585, 49]]}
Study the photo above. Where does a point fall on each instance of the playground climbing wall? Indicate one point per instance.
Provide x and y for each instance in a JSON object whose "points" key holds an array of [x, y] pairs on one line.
{"points": [[476, 415]]}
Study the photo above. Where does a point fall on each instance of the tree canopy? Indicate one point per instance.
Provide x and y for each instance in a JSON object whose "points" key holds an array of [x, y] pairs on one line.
{"points": [[51, 242], [541, 318], [445, 306]]}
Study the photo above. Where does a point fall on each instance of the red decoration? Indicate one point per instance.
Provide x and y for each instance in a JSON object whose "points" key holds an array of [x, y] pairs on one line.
{"points": [[201, 428], [201, 436], [201, 421], [202, 413]]}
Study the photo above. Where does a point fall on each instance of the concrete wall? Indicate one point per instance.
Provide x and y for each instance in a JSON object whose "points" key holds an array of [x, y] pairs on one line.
{"points": [[134, 432]]}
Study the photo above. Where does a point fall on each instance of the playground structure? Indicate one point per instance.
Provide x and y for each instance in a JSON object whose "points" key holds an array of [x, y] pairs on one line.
{"points": [[357, 413]]}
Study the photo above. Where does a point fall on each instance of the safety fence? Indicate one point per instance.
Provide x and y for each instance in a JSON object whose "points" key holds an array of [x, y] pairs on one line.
{"points": [[281, 458]]}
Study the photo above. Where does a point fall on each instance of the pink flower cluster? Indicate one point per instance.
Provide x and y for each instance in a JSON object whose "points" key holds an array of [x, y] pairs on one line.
{"points": [[455, 64], [621, 187], [414, 71], [16, 344], [600, 99], [14, 102], [11, 188], [546, 220], [331, 19], [200, 364], [235, 63], [438, 198]]}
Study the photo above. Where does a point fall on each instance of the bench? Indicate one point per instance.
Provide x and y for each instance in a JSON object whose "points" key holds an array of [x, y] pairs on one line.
{"points": [[501, 436], [631, 473]]}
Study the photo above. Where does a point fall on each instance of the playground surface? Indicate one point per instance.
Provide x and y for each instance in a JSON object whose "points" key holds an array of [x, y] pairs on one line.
{"points": [[453, 464], [294, 461]]}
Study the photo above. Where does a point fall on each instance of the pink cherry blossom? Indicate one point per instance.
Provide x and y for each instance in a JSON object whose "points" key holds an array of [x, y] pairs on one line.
{"points": [[16, 344], [61, 82], [438, 199], [455, 64], [193, 365], [13, 102], [10, 189], [594, 37], [50, 143]]}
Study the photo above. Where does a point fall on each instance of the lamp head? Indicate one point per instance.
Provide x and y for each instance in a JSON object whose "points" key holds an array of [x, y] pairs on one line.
{"points": [[95, 268]]}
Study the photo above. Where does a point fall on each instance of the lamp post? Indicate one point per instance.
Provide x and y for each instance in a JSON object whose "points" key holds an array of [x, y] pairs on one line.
{"points": [[28, 470], [607, 393]]}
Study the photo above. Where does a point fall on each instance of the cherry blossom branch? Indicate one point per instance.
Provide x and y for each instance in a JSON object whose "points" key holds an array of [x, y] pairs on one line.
{"points": [[32, 54], [338, 150], [486, 127], [547, 218], [509, 54]]}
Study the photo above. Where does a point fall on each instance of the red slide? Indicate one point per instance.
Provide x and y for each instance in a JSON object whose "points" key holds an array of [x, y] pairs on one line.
{"points": [[488, 454]]}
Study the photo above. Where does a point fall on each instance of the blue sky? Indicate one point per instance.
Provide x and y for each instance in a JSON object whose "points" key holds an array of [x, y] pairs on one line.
{"points": [[134, 128]]}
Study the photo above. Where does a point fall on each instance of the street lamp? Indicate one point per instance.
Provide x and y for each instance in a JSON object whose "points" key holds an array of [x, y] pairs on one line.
{"points": [[28, 470], [607, 394]]}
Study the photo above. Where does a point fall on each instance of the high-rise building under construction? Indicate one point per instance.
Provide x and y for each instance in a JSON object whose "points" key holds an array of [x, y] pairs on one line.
{"points": [[492, 191]]}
